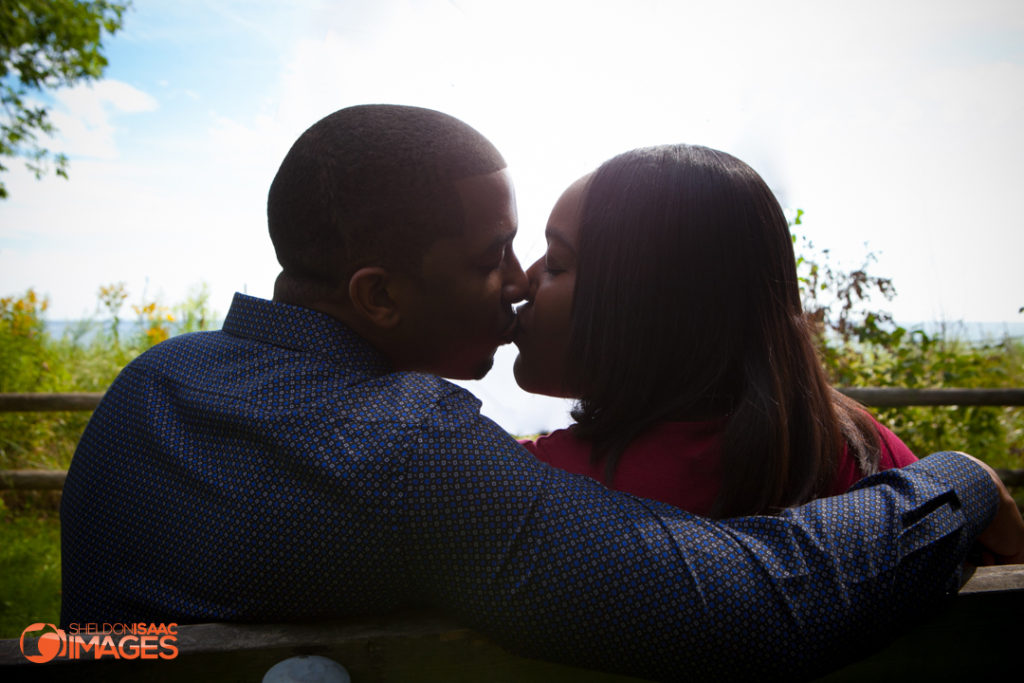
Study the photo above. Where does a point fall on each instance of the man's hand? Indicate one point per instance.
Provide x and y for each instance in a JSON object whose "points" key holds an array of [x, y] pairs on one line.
{"points": [[1003, 540]]}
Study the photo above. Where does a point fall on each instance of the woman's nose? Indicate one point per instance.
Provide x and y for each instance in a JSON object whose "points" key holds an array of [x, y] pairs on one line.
{"points": [[533, 274]]}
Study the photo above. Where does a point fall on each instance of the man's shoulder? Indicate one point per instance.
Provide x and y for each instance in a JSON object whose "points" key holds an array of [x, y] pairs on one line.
{"points": [[305, 384], [290, 381], [187, 350], [422, 397]]}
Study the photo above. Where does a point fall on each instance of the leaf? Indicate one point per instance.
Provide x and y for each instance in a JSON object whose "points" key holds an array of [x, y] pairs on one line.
{"points": [[44, 45]]}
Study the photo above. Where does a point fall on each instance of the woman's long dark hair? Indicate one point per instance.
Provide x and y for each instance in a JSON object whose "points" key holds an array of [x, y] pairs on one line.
{"points": [[687, 307]]}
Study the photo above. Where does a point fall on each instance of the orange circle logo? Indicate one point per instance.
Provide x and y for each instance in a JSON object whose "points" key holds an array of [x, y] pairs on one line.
{"points": [[48, 645]]}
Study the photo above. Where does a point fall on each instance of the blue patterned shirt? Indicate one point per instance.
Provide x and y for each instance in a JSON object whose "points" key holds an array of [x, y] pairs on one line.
{"points": [[279, 470]]}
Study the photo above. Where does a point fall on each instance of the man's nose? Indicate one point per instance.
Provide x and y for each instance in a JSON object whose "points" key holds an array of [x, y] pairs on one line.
{"points": [[533, 274], [516, 285]]}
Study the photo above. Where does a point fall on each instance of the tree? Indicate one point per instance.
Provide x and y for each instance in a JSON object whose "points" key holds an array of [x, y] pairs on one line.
{"points": [[44, 45], [836, 299]]}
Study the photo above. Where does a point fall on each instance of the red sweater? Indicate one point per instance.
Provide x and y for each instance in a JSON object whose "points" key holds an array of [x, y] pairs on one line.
{"points": [[677, 462]]}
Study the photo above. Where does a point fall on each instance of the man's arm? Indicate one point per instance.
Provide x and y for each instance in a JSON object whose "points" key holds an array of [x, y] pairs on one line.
{"points": [[556, 566]]}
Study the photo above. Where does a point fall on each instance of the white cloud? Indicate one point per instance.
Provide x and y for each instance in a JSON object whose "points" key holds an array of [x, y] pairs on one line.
{"points": [[124, 98], [84, 116]]}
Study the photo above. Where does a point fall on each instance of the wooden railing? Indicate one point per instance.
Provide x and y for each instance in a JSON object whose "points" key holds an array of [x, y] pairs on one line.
{"points": [[891, 397], [47, 403], [878, 397]]}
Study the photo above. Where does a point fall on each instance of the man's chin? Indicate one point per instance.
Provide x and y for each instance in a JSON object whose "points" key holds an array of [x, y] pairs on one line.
{"points": [[482, 369], [468, 370]]}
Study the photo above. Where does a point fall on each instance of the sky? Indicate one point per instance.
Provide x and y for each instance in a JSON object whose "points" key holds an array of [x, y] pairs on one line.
{"points": [[895, 126]]}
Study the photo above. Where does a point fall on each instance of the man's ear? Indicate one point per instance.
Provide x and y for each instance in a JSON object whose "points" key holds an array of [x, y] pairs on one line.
{"points": [[368, 291]]}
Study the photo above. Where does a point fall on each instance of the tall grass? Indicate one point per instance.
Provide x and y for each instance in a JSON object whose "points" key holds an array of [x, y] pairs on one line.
{"points": [[29, 571], [87, 357]]}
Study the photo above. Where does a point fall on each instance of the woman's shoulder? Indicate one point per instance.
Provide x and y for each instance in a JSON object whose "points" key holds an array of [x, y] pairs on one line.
{"points": [[674, 462], [551, 445], [893, 452], [561, 448], [677, 437]]}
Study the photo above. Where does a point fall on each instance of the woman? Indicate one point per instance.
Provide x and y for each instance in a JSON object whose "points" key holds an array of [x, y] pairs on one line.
{"points": [[667, 303]]}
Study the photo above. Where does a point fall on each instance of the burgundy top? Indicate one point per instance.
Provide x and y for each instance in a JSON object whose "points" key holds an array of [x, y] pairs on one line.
{"points": [[677, 462]]}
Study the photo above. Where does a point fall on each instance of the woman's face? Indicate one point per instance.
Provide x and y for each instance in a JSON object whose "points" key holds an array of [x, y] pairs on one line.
{"points": [[544, 320]]}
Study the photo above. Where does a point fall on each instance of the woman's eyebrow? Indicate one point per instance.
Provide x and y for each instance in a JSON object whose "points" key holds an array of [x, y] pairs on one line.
{"points": [[554, 235]]}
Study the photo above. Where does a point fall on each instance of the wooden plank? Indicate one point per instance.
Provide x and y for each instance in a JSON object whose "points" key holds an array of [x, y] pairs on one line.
{"points": [[39, 403], [409, 647], [1010, 477], [884, 397], [975, 635], [1007, 577]]}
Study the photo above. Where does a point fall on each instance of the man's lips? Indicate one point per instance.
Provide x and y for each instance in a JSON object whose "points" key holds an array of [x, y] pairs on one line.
{"points": [[521, 314], [509, 333]]}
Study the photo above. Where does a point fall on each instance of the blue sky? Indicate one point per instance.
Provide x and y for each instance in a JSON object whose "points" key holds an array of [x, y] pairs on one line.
{"points": [[896, 126]]}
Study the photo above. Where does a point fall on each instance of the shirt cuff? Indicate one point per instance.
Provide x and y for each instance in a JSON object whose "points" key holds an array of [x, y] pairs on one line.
{"points": [[976, 493]]}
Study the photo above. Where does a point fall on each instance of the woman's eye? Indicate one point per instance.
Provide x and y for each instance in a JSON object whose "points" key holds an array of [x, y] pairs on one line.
{"points": [[552, 267]]}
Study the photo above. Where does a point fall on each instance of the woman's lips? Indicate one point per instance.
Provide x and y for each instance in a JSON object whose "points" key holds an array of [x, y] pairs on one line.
{"points": [[509, 333], [518, 329]]}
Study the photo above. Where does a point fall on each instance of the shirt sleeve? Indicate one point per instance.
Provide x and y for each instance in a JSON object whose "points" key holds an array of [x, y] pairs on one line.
{"points": [[556, 566]]}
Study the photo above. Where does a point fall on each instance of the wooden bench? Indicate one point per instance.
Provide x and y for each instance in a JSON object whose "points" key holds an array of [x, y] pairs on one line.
{"points": [[975, 637]]}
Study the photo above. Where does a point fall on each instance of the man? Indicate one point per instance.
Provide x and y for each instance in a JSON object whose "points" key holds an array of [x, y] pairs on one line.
{"points": [[306, 461]]}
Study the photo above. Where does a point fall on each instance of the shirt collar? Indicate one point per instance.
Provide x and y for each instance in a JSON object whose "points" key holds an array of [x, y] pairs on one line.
{"points": [[301, 329]]}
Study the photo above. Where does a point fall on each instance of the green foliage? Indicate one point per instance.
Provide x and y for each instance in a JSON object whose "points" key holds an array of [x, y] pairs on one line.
{"points": [[917, 360], [45, 45], [835, 299], [195, 314], [112, 298], [29, 572], [86, 358], [23, 356], [860, 345]]}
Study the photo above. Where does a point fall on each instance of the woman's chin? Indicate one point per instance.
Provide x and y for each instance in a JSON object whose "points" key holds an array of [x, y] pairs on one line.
{"points": [[525, 375], [536, 381], [521, 373]]}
